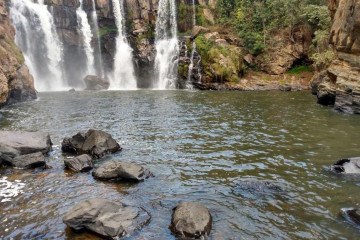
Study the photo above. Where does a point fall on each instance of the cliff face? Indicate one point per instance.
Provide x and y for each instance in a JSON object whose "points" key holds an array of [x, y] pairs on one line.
{"points": [[339, 84], [16, 83]]}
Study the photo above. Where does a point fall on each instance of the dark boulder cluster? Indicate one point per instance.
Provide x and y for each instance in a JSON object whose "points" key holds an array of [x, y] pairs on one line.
{"points": [[348, 167], [113, 219]]}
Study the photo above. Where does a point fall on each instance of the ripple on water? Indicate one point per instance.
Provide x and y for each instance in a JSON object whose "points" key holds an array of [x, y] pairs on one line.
{"points": [[224, 149]]}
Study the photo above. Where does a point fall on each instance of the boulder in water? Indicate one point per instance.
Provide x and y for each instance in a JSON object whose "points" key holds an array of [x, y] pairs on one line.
{"points": [[96, 83], [25, 142], [347, 166], [26, 161], [115, 170], [80, 163], [107, 218], [351, 214], [96, 143], [191, 219]]}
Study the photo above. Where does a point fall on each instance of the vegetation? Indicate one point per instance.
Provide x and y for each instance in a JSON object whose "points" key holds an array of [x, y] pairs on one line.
{"points": [[222, 62], [255, 20]]}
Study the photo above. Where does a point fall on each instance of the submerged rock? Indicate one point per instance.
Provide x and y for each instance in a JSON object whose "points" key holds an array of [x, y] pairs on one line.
{"points": [[257, 187], [80, 163], [191, 219], [96, 143], [106, 218], [122, 171], [351, 214], [32, 160], [96, 83], [25, 142], [347, 166]]}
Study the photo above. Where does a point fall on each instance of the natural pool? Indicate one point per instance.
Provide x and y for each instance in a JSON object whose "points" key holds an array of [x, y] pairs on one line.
{"points": [[212, 147]]}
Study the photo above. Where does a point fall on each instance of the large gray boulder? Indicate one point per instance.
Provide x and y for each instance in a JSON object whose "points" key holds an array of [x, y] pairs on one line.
{"points": [[191, 219], [96, 143], [26, 161], [94, 82], [121, 171], [26, 142], [80, 163], [107, 218], [30, 145], [347, 166]]}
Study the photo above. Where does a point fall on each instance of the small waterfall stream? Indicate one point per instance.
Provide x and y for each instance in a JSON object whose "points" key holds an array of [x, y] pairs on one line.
{"points": [[37, 38], [85, 29], [167, 46], [96, 31], [193, 54], [123, 76]]}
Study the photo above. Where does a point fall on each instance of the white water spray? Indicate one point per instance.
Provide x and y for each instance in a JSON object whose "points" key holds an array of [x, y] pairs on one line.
{"points": [[85, 29], [193, 51], [167, 46], [123, 77], [96, 30], [37, 38]]}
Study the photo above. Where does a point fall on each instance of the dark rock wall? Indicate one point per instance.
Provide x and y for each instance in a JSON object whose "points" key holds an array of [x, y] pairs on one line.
{"points": [[339, 84]]}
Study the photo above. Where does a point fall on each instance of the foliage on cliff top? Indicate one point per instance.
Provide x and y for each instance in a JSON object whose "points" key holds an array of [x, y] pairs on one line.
{"points": [[254, 20]]}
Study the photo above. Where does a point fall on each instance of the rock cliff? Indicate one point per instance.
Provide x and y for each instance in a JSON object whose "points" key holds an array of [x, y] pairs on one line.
{"points": [[16, 83], [339, 84]]}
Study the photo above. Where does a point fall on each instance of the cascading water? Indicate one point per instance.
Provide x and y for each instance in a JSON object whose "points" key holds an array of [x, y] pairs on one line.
{"points": [[123, 77], [37, 38], [96, 30], [85, 29], [193, 52], [167, 45]]}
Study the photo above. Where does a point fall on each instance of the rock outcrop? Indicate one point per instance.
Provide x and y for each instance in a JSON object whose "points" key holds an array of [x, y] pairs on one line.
{"points": [[116, 170], [109, 219], [96, 83], [352, 215], [16, 83], [80, 163], [347, 166], [191, 219], [96, 143], [24, 149], [339, 84]]}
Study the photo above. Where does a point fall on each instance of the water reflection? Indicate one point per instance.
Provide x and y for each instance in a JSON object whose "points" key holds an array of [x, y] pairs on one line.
{"points": [[255, 159]]}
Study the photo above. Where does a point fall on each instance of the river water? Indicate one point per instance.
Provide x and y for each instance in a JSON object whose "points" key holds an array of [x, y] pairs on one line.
{"points": [[257, 160]]}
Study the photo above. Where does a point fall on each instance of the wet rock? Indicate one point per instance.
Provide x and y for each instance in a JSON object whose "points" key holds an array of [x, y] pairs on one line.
{"points": [[25, 142], [32, 160], [96, 143], [285, 88], [347, 166], [72, 90], [191, 219], [80, 163], [106, 218], [96, 83], [122, 171], [254, 189], [351, 214]]}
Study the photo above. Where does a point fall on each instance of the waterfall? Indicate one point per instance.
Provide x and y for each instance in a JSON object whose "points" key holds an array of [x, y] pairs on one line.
{"points": [[85, 30], [37, 38], [96, 30], [123, 76], [193, 52], [167, 46]]}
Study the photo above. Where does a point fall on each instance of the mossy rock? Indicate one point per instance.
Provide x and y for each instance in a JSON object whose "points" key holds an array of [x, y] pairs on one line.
{"points": [[221, 63]]}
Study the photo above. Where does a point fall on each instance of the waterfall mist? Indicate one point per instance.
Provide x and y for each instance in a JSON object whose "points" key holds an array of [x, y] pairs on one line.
{"points": [[35, 25], [123, 76], [167, 46]]}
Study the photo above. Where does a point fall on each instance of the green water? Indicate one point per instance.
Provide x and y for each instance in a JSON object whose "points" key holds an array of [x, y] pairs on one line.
{"points": [[213, 147]]}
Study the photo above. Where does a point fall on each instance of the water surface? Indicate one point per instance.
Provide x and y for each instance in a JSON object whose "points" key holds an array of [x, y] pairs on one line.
{"points": [[212, 147]]}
